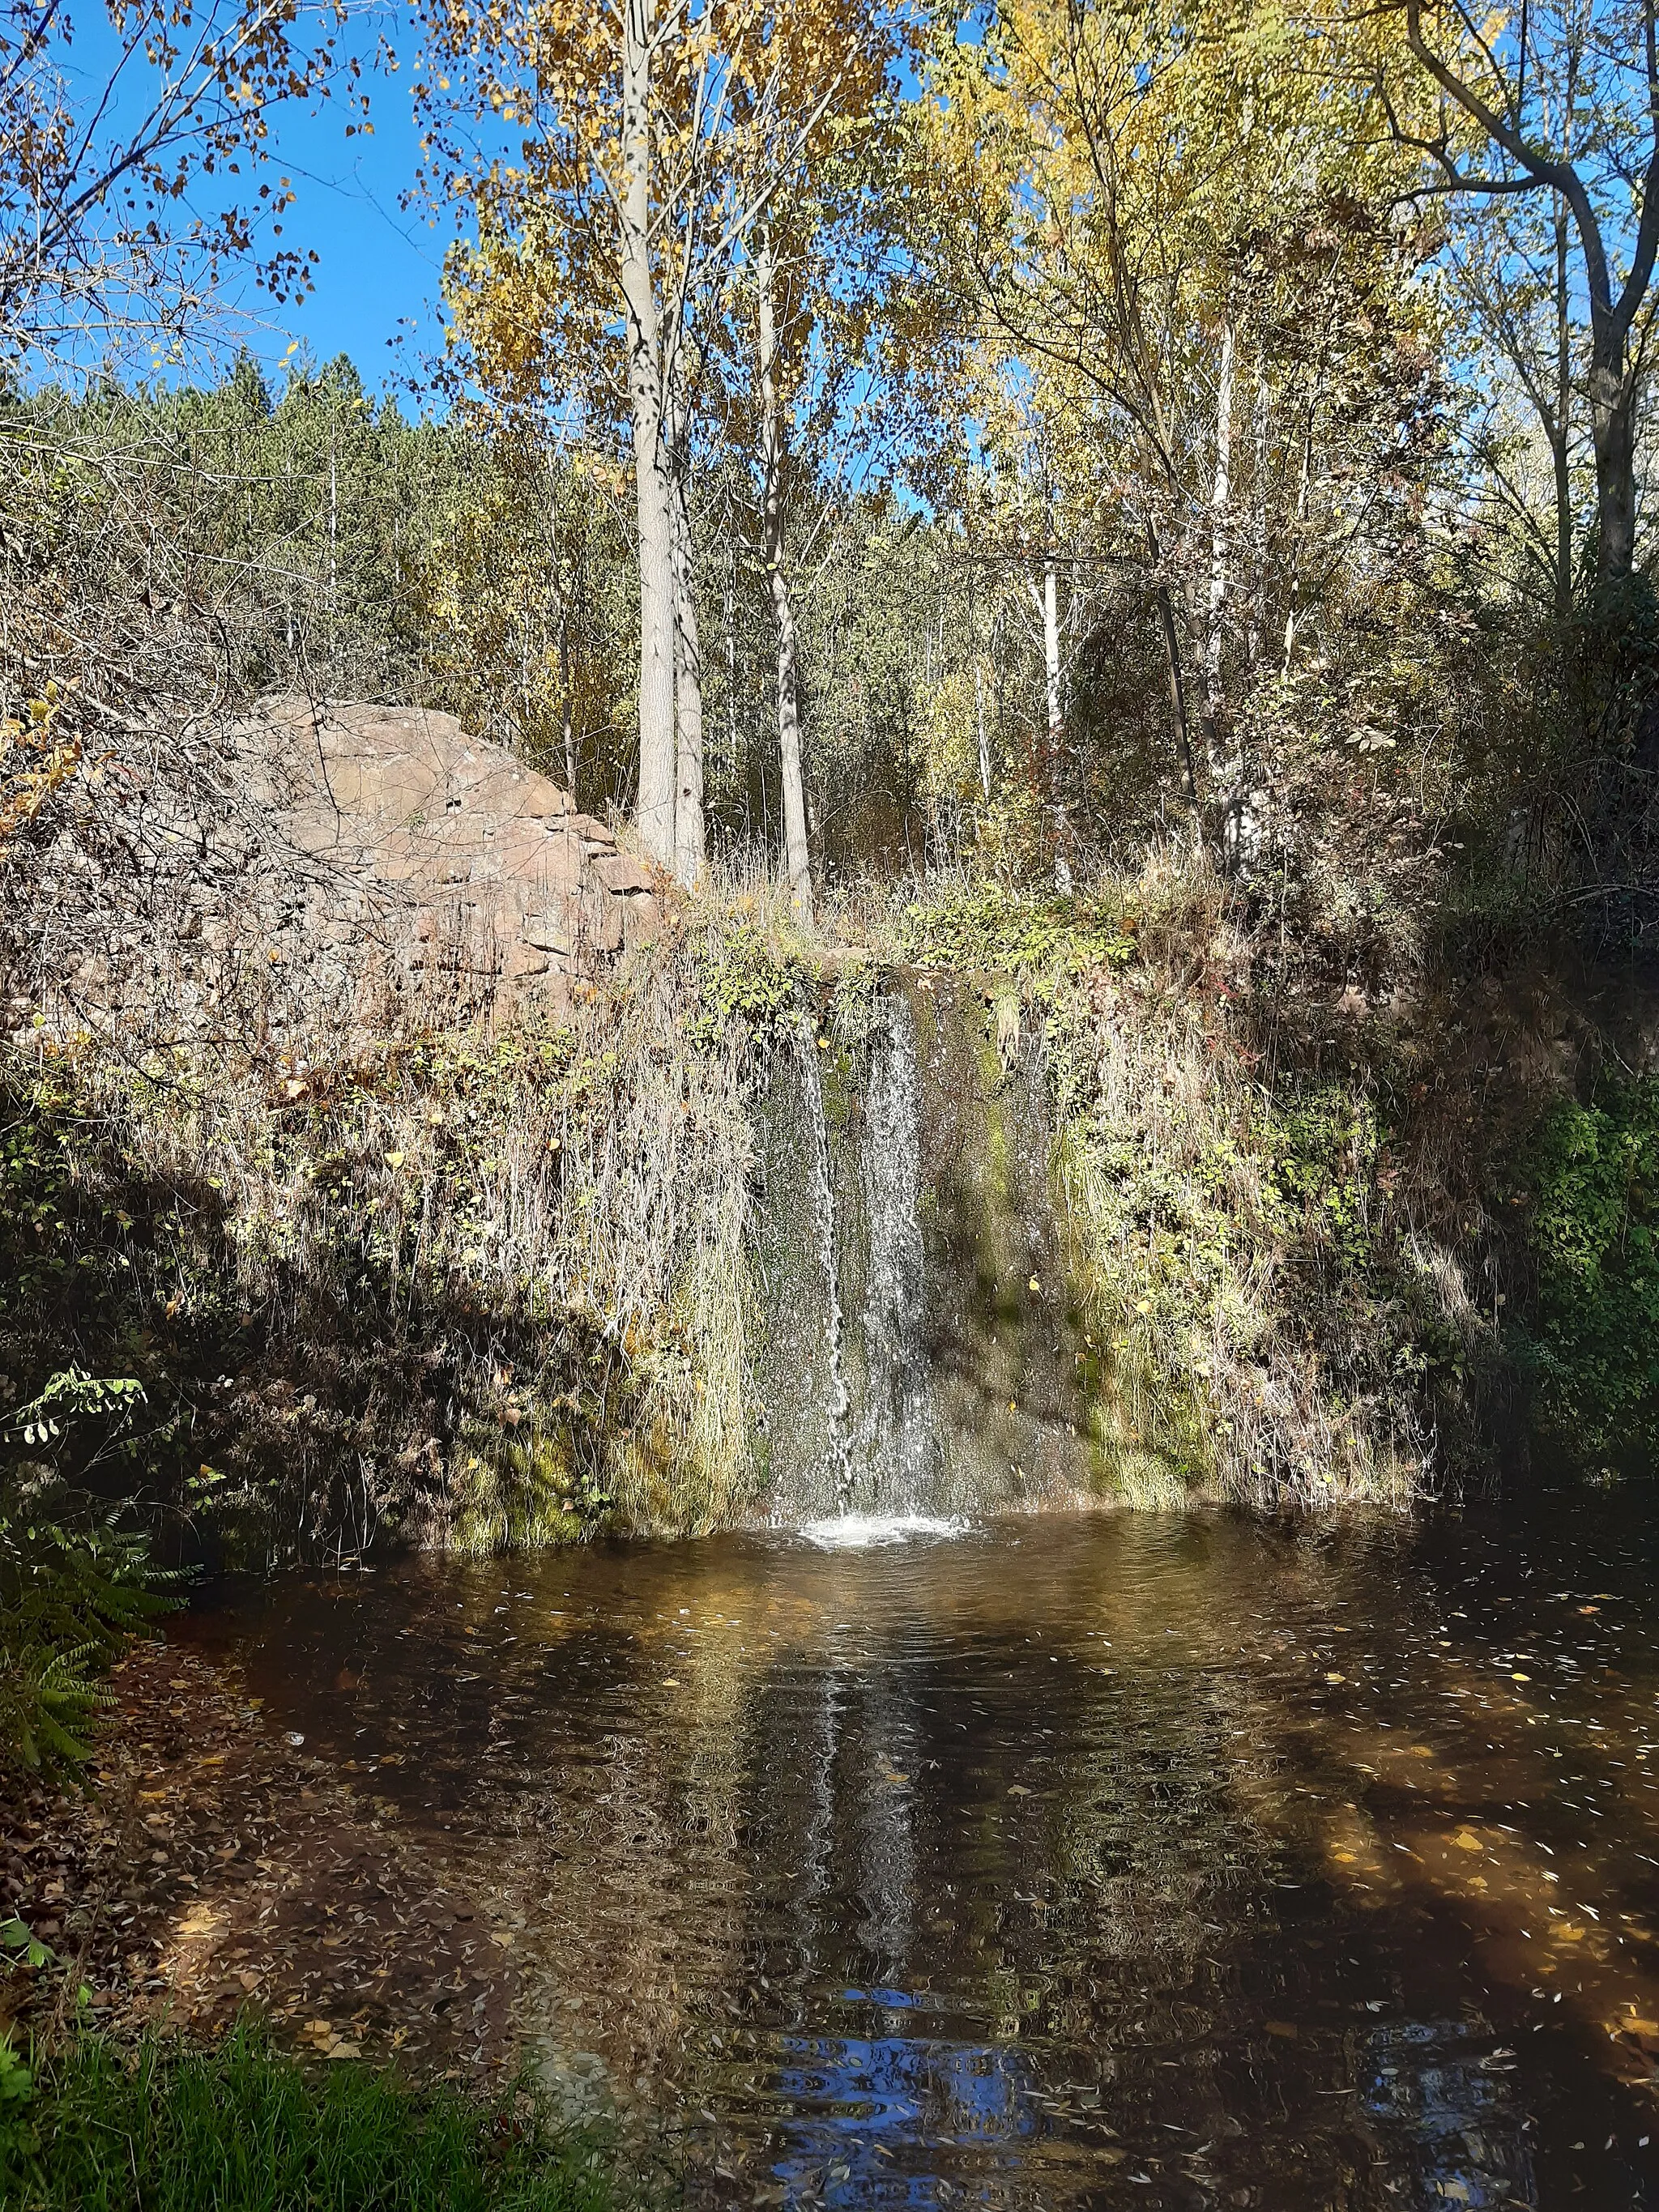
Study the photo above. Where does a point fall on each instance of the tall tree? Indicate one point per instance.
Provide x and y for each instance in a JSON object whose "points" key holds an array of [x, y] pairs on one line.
{"points": [[596, 249], [810, 289], [1559, 102], [1128, 204]]}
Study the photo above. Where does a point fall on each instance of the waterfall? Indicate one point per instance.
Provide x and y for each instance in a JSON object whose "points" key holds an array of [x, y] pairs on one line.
{"points": [[823, 1200], [896, 1436], [915, 1355]]}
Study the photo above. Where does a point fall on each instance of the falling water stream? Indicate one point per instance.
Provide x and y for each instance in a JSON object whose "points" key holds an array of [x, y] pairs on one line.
{"points": [[919, 1354], [823, 1215], [896, 1443]]}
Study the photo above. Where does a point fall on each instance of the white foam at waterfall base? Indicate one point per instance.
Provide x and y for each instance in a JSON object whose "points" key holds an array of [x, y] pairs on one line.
{"points": [[858, 1532]]}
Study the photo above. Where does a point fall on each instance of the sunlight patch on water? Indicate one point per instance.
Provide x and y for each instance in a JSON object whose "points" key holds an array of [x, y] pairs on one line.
{"points": [[857, 1532]]}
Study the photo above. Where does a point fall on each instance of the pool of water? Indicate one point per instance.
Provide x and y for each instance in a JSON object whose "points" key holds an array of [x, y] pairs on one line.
{"points": [[1115, 1860]]}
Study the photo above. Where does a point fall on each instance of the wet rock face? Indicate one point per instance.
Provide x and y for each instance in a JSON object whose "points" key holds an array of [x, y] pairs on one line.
{"points": [[916, 1346], [307, 873]]}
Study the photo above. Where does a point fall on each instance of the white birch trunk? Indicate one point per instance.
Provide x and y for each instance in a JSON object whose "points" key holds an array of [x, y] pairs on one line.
{"points": [[655, 810], [797, 859]]}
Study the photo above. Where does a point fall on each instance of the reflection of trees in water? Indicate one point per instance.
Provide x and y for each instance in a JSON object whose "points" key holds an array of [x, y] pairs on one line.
{"points": [[918, 1868], [1146, 1826], [1437, 2110]]}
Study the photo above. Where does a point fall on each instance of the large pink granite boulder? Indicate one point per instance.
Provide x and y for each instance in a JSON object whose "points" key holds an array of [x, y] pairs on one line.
{"points": [[498, 878]]}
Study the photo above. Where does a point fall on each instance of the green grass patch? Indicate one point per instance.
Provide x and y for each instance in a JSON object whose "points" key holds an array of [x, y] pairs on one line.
{"points": [[241, 2128]]}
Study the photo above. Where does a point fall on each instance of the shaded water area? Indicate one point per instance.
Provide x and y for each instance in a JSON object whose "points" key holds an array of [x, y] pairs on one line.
{"points": [[1099, 1860]]}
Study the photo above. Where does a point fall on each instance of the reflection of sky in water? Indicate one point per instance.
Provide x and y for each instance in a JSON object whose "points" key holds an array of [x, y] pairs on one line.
{"points": [[863, 2113], [1441, 2104]]}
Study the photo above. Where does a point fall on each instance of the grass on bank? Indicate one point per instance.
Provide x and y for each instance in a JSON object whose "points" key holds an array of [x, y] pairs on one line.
{"points": [[241, 2128]]}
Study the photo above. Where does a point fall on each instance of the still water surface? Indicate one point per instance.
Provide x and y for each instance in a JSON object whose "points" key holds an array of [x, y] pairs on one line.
{"points": [[1124, 1860]]}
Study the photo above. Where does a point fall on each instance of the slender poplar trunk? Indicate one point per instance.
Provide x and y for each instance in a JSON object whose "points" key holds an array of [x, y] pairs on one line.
{"points": [[797, 857], [690, 851], [984, 739], [729, 610], [654, 810], [1055, 738], [1237, 824], [567, 704], [1055, 734], [1258, 519], [1215, 627]]}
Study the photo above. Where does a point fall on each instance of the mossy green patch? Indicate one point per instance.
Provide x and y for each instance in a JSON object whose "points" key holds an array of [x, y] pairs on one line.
{"points": [[1592, 1181]]}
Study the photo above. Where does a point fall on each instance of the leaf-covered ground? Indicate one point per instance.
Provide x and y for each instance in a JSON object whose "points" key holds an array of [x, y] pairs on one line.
{"points": [[210, 1867]]}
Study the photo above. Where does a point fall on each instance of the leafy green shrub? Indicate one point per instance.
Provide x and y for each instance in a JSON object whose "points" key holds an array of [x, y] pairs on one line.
{"points": [[74, 1583], [989, 927], [171, 2129], [742, 975], [1594, 1233]]}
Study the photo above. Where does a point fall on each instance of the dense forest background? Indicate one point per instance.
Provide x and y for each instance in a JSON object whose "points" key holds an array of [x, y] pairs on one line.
{"points": [[1111, 423]]}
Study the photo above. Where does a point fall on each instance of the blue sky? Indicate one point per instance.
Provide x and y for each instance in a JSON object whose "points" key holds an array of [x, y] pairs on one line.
{"points": [[377, 280]]}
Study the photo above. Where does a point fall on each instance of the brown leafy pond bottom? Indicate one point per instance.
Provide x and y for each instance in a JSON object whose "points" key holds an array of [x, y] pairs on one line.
{"points": [[1120, 1859]]}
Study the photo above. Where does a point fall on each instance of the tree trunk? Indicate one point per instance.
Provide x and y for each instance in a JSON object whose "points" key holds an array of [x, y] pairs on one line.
{"points": [[567, 704], [1054, 739], [1055, 734], [1613, 424], [729, 610], [984, 739], [797, 859], [1221, 491], [654, 809], [1166, 617], [1304, 476], [690, 849], [1258, 618], [1560, 429]]}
